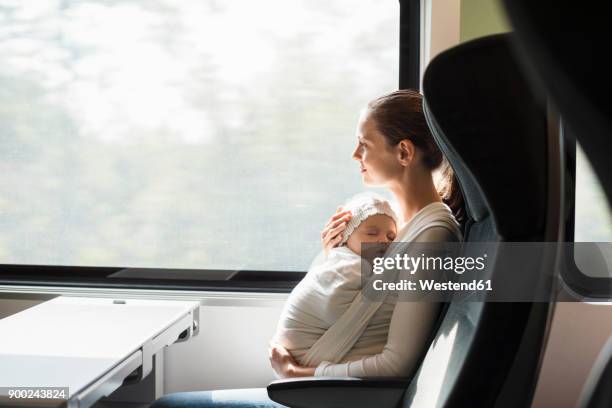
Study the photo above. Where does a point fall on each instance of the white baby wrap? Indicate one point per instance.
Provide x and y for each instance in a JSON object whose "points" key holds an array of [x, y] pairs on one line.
{"points": [[317, 303], [326, 313]]}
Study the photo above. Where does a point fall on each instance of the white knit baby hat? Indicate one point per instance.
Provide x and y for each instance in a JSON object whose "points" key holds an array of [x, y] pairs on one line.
{"points": [[362, 206]]}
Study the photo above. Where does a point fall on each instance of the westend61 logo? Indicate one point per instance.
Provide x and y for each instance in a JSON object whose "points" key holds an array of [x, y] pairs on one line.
{"points": [[413, 264]]}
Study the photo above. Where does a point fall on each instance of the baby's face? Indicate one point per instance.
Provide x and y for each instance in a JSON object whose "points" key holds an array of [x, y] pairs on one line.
{"points": [[375, 229]]}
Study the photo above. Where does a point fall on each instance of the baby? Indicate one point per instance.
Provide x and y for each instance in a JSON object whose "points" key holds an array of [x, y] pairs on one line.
{"points": [[332, 282]]}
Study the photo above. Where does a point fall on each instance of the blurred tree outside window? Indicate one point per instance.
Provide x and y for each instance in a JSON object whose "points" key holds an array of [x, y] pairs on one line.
{"points": [[183, 134]]}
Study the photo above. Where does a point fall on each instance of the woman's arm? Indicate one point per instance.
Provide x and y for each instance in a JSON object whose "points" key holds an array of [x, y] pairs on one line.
{"points": [[410, 326], [409, 330]]}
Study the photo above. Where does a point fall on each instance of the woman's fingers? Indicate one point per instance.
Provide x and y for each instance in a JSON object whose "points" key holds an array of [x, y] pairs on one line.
{"points": [[279, 353], [337, 216], [273, 356], [336, 219], [282, 354], [337, 230], [336, 241], [332, 226], [339, 221], [331, 235]]}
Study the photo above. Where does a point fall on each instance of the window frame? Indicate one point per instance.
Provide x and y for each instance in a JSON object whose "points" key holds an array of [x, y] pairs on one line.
{"points": [[582, 284], [237, 281]]}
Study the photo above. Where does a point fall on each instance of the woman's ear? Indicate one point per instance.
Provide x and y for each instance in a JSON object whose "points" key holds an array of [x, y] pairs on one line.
{"points": [[405, 152]]}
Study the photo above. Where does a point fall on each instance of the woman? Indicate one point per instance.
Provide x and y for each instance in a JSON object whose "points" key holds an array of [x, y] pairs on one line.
{"points": [[395, 149]]}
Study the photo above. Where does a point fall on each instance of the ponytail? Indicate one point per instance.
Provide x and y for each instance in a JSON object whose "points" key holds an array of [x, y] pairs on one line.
{"points": [[450, 192]]}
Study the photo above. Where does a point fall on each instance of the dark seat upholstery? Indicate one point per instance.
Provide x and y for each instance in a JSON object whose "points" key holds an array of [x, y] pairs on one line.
{"points": [[493, 130], [563, 54], [564, 48], [494, 134]]}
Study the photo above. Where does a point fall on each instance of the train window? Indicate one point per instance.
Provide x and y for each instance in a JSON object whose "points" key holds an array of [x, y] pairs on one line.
{"points": [[593, 225], [593, 219], [200, 135]]}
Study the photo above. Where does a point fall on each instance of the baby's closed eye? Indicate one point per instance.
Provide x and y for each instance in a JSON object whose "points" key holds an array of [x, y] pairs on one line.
{"points": [[372, 232]]}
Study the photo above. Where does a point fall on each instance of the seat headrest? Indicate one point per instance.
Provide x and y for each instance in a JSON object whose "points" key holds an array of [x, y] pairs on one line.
{"points": [[493, 131], [564, 53]]}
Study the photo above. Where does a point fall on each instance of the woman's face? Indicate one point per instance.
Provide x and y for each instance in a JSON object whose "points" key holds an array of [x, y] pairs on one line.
{"points": [[377, 160]]}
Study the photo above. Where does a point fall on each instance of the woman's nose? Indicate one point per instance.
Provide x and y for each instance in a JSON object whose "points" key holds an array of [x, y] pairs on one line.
{"points": [[357, 153]]}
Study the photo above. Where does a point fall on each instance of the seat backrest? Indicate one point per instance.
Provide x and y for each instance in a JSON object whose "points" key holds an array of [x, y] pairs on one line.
{"points": [[563, 52], [493, 131]]}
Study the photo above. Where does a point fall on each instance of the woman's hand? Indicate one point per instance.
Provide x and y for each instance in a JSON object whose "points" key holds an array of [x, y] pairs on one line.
{"points": [[331, 235], [284, 364]]}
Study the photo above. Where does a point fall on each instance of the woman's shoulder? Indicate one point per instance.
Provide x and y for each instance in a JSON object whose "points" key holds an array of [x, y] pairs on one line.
{"points": [[433, 223], [438, 233]]}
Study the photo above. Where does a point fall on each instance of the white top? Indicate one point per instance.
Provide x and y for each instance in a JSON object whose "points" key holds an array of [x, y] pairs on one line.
{"points": [[395, 336]]}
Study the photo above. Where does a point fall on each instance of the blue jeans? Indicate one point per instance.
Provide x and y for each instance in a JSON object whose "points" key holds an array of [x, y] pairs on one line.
{"points": [[244, 398]]}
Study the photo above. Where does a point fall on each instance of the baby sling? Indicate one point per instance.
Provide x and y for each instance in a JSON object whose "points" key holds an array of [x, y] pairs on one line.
{"points": [[338, 340]]}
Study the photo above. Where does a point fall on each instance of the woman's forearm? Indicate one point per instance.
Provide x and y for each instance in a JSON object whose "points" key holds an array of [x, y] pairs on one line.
{"points": [[299, 371]]}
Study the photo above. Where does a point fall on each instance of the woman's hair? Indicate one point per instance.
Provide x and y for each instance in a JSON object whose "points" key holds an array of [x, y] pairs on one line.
{"points": [[399, 116]]}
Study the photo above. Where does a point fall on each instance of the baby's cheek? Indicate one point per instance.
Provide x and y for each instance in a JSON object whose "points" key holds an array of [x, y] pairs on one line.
{"points": [[354, 246], [368, 241]]}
